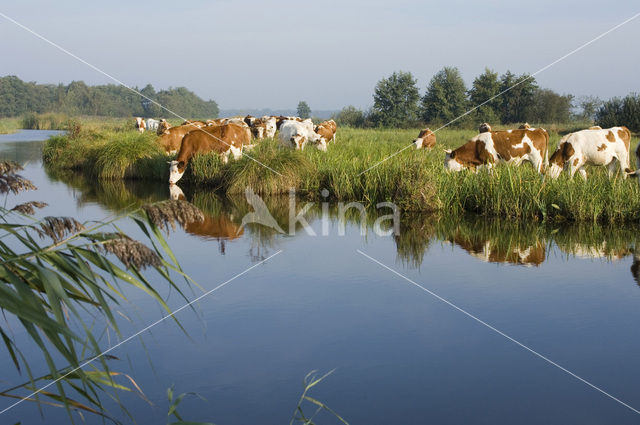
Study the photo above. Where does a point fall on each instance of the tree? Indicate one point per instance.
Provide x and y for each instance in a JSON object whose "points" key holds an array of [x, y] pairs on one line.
{"points": [[304, 111], [395, 100], [18, 98], [550, 107], [150, 108], [446, 97], [616, 111], [350, 116], [517, 97], [486, 86], [589, 106]]}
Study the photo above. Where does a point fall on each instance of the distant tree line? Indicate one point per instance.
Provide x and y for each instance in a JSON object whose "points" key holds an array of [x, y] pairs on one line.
{"points": [[500, 99], [18, 97]]}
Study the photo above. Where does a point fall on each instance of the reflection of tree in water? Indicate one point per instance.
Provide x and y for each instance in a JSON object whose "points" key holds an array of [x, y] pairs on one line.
{"points": [[21, 152]]}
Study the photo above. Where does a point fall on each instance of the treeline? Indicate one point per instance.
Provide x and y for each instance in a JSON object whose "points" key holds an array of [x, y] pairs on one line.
{"points": [[18, 97], [504, 99]]}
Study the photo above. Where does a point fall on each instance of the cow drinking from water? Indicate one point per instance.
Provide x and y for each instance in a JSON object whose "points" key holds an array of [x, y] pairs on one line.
{"points": [[225, 140]]}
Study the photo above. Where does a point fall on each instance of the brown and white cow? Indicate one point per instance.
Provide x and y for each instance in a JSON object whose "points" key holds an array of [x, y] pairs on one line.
{"points": [[511, 146], [327, 130], [426, 139], [225, 140], [524, 126], [484, 128], [140, 124], [171, 139], [605, 147]]}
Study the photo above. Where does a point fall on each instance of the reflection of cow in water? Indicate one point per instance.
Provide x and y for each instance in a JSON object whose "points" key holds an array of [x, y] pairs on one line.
{"points": [[493, 252], [220, 227]]}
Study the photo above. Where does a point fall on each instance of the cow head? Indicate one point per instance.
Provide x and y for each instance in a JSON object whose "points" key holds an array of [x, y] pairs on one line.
{"points": [[176, 171], [554, 170], [484, 128], [418, 143], [163, 127], [450, 162], [322, 145]]}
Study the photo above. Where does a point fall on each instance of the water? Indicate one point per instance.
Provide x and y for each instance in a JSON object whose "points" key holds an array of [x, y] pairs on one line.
{"points": [[400, 354]]}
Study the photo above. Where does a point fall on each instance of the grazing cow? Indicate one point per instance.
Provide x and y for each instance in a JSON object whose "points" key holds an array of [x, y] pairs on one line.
{"points": [[171, 139], [152, 125], [294, 134], [593, 147], [484, 128], [140, 125], [511, 146], [524, 126], [224, 140], [327, 130], [426, 139]]}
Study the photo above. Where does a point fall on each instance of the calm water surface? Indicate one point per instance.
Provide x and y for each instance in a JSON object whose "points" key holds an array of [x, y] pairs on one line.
{"points": [[400, 355]]}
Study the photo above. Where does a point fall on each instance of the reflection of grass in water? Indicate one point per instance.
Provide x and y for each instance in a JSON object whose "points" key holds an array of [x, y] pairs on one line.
{"points": [[114, 195], [607, 242]]}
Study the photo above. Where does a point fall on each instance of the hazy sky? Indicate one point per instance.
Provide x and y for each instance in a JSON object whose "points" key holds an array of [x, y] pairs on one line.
{"points": [[331, 53]]}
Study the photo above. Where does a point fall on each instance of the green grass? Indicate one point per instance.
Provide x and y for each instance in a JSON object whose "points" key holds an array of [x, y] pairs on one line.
{"points": [[414, 180]]}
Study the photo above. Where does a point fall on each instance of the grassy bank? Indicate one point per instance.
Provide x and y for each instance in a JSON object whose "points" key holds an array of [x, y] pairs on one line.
{"points": [[415, 180], [9, 125]]}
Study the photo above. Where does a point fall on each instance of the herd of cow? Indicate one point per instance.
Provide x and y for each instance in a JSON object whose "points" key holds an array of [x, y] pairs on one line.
{"points": [[230, 136], [593, 146]]}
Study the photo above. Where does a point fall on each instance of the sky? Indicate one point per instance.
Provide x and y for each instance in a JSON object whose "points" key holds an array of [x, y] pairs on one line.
{"points": [[253, 54]]}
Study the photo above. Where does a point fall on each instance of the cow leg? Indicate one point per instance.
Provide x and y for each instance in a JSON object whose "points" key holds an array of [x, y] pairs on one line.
{"points": [[575, 164], [225, 157], [611, 168], [583, 173], [236, 152], [536, 160]]}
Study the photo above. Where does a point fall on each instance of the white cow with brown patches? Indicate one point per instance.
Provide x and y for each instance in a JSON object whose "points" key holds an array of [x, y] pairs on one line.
{"points": [[491, 147], [605, 147]]}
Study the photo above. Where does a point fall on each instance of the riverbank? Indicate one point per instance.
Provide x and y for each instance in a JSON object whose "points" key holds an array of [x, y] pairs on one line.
{"points": [[414, 179]]}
